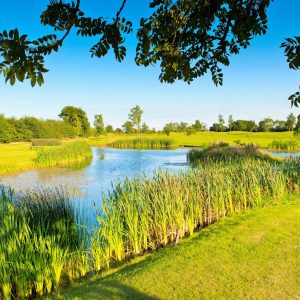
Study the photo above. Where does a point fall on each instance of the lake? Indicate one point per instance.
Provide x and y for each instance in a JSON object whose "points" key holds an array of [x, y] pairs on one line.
{"points": [[107, 167]]}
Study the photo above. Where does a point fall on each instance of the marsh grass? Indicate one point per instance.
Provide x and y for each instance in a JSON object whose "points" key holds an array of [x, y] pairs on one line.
{"points": [[67, 154], [147, 213], [224, 152], [45, 142], [41, 242], [285, 145], [44, 244], [145, 143]]}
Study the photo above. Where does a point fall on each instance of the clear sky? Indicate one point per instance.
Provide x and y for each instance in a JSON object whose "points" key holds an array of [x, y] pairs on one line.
{"points": [[256, 84]]}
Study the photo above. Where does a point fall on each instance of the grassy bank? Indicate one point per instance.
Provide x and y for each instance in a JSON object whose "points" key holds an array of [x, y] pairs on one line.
{"points": [[43, 247], [203, 139], [69, 153], [23, 156], [252, 255]]}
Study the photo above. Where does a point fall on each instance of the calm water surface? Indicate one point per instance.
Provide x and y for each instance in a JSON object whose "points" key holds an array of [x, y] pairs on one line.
{"points": [[107, 167]]}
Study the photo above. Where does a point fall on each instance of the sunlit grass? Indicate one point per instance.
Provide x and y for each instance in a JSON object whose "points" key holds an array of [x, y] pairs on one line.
{"points": [[203, 139], [64, 155], [252, 255], [145, 143]]}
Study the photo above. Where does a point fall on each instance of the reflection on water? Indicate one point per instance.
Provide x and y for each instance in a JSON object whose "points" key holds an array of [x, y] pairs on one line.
{"points": [[89, 180]]}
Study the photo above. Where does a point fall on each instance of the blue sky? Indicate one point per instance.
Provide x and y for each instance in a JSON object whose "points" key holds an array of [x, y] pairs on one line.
{"points": [[256, 84]]}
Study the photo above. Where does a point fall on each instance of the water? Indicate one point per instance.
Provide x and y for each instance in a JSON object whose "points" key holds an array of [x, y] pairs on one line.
{"points": [[286, 154], [107, 166]]}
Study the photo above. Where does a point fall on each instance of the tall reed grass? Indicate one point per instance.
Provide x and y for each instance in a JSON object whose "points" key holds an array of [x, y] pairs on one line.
{"points": [[224, 152], [41, 242], [285, 145], [147, 213], [66, 154], [145, 143], [45, 142]]}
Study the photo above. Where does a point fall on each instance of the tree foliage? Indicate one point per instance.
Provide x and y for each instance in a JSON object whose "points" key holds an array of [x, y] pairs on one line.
{"points": [[292, 52], [77, 118], [135, 116], [187, 38], [99, 124]]}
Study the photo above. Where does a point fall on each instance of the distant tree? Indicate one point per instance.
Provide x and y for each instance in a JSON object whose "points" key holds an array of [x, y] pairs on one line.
{"points": [[266, 125], [230, 122], [198, 126], [215, 127], [168, 128], [221, 123], [7, 132], [128, 127], [280, 125], [291, 121], [99, 124], [182, 127], [135, 116], [119, 131], [190, 130], [145, 128], [109, 129], [244, 125], [77, 118], [297, 127]]}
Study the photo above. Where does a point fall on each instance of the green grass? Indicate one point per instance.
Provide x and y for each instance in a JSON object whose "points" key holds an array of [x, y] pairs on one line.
{"points": [[19, 157], [252, 255], [40, 243], [285, 145], [223, 152], [16, 158], [66, 154], [144, 143], [262, 139]]}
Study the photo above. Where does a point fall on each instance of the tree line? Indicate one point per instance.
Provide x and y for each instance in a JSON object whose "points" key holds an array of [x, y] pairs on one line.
{"points": [[75, 123]]}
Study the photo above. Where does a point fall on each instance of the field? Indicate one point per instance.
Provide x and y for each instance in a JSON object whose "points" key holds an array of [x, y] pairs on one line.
{"points": [[262, 139], [23, 156], [252, 255], [19, 157]]}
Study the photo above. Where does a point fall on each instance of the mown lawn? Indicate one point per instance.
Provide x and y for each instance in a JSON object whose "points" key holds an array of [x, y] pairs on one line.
{"points": [[252, 255], [262, 139], [16, 157]]}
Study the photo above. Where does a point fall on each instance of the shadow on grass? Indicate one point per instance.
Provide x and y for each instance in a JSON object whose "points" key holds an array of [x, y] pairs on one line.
{"points": [[111, 289]]}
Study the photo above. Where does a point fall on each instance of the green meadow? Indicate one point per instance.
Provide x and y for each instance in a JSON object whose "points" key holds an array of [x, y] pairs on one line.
{"points": [[18, 157], [203, 139], [248, 255]]}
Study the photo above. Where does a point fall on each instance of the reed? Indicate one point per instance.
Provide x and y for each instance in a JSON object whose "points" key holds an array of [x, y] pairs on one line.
{"points": [[40, 243], [225, 153], [145, 143], [45, 142], [147, 213], [64, 155], [285, 145]]}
